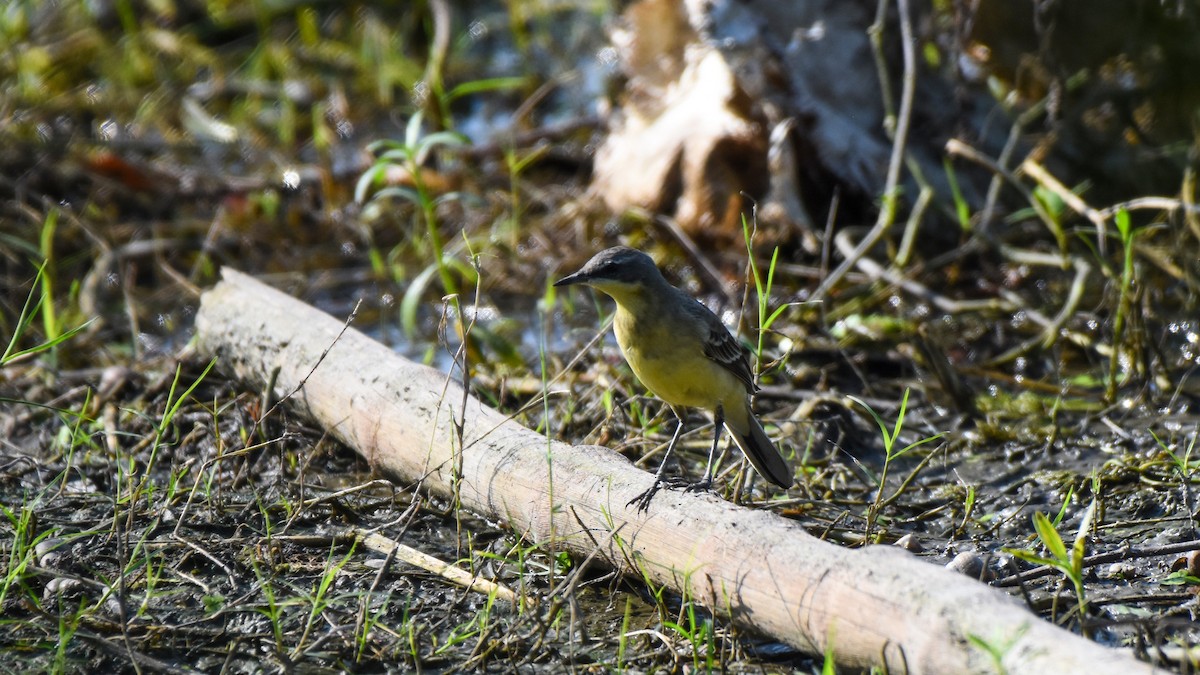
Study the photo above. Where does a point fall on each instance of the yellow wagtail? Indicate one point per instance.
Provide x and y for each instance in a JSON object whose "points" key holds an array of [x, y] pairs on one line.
{"points": [[684, 355]]}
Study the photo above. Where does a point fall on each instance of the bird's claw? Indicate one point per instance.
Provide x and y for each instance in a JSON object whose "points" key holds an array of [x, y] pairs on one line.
{"points": [[671, 483], [643, 500]]}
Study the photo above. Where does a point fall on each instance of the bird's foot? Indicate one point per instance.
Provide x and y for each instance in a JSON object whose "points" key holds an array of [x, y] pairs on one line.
{"points": [[643, 500], [703, 485], [672, 483]]}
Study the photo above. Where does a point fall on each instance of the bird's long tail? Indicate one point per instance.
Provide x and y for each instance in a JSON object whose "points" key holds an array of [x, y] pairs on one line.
{"points": [[762, 453]]}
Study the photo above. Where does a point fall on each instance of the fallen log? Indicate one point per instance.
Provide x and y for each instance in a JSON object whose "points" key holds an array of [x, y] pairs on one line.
{"points": [[874, 606]]}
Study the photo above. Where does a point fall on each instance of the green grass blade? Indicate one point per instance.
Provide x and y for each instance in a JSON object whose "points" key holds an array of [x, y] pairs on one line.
{"points": [[1050, 537]]}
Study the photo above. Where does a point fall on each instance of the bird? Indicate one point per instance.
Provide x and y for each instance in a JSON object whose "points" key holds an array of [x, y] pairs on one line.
{"points": [[685, 356]]}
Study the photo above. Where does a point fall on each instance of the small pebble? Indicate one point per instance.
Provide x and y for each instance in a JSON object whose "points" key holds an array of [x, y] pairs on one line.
{"points": [[61, 586], [1121, 570], [909, 543], [46, 553], [970, 563]]}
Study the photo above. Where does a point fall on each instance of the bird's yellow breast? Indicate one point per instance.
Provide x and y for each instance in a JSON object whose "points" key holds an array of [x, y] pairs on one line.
{"points": [[674, 367]]}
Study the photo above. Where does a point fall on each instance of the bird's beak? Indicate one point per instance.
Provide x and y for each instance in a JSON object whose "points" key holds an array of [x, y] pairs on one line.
{"points": [[577, 278]]}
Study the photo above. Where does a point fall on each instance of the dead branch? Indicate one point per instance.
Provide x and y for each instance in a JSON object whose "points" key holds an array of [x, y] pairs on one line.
{"points": [[874, 606]]}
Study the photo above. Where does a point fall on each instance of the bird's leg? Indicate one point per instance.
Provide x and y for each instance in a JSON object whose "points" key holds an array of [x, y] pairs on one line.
{"points": [[643, 500], [718, 425]]}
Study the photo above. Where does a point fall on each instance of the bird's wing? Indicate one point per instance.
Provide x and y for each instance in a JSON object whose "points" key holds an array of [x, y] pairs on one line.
{"points": [[727, 351]]}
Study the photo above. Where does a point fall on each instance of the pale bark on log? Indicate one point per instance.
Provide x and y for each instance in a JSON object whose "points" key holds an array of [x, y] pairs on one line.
{"points": [[761, 570]]}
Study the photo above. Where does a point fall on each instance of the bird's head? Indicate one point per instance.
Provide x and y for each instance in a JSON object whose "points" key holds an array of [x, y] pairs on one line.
{"points": [[619, 271]]}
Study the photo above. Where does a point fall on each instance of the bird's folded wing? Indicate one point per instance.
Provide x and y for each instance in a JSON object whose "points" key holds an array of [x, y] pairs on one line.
{"points": [[727, 351]]}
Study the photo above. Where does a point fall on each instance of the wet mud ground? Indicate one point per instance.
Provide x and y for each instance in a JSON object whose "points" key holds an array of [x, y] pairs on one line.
{"points": [[157, 519]]}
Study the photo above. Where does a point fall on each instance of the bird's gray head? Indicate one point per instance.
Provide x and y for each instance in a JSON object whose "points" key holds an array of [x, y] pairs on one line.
{"points": [[619, 265]]}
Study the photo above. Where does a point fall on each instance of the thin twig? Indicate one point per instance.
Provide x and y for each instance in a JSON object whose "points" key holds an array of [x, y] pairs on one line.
{"points": [[410, 555], [1044, 178], [887, 214], [958, 148], [877, 271], [1052, 328]]}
